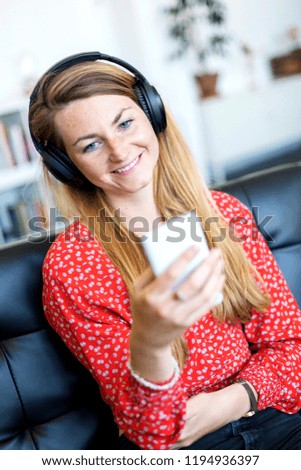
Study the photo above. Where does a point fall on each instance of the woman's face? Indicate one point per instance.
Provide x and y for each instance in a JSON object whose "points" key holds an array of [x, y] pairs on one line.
{"points": [[111, 141]]}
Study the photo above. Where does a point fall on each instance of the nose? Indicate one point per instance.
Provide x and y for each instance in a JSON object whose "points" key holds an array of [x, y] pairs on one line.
{"points": [[118, 149]]}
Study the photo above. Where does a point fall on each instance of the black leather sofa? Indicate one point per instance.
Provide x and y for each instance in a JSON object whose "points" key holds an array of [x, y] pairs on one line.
{"points": [[47, 399], [288, 153]]}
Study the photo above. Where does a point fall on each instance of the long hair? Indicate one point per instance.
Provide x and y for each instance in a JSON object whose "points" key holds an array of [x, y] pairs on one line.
{"points": [[178, 188]]}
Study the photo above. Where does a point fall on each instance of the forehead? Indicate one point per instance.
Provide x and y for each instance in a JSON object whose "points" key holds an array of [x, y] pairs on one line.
{"points": [[78, 115]]}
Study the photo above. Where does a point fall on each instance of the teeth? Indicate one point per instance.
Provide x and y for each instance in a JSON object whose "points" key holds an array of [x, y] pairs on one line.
{"points": [[128, 167]]}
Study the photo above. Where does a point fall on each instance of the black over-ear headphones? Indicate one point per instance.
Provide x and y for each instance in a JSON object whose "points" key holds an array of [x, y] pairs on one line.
{"points": [[58, 162]]}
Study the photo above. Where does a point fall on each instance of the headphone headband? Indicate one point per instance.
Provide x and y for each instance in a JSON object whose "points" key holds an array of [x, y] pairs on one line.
{"points": [[74, 59], [57, 162]]}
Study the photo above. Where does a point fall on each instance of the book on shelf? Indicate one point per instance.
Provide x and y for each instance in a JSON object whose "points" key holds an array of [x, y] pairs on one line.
{"points": [[19, 217], [31, 150], [17, 208], [16, 147], [18, 144], [20, 195], [6, 155]]}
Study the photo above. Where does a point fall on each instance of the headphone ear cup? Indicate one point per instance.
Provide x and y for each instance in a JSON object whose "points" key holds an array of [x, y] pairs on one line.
{"points": [[151, 103], [63, 169]]}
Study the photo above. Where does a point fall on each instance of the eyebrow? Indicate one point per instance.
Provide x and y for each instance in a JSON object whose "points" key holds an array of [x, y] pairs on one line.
{"points": [[93, 136]]}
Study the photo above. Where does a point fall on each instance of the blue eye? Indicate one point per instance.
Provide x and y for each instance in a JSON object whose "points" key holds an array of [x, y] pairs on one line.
{"points": [[91, 147], [126, 124]]}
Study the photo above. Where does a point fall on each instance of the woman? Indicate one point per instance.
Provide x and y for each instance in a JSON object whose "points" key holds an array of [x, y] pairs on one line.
{"points": [[176, 370]]}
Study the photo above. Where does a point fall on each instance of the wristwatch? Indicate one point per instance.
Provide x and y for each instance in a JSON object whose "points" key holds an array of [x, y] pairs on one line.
{"points": [[252, 397]]}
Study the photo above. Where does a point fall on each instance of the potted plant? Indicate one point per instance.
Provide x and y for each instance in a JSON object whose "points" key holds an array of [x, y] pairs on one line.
{"points": [[289, 63], [196, 26]]}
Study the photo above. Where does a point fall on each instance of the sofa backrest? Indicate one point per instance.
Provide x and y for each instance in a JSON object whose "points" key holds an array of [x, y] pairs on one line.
{"points": [[275, 195], [47, 399]]}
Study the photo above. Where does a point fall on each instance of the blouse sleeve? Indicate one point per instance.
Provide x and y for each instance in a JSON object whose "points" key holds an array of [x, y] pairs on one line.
{"points": [[86, 302], [274, 335]]}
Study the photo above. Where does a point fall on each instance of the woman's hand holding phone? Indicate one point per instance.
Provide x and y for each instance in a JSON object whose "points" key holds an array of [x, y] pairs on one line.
{"points": [[184, 283], [159, 317]]}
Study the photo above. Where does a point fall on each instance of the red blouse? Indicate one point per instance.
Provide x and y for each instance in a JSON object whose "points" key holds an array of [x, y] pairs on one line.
{"points": [[87, 303]]}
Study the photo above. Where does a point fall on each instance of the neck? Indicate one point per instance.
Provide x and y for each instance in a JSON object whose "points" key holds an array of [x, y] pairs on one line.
{"points": [[140, 214], [141, 221]]}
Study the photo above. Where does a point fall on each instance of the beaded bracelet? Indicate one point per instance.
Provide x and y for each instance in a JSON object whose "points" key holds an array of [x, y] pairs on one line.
{"points": [[154, 386]]}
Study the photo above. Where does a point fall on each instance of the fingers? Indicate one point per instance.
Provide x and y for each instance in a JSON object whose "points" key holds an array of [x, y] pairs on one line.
{"points": [[171, 275], [168, 279], [207, 274], [198, 293], [205, 298], [199, 290]]}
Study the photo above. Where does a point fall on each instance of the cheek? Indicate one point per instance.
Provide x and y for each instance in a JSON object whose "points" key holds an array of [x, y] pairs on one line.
{"points": [[88, 167], [145, 133], [156, 148], [153, 144]]}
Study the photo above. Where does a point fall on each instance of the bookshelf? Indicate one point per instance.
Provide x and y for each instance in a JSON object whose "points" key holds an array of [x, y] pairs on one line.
{"points": [[21, 197]]}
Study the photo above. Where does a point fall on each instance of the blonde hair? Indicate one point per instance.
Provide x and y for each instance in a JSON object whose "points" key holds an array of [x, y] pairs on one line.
{"points": [[178, 188]]}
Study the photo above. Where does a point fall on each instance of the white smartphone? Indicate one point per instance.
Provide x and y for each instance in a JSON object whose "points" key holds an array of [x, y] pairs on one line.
{"points": [[167, 241]]}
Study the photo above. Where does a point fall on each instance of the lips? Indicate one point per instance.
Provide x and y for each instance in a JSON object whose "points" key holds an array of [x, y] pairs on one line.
{"points": [[127, 168]]}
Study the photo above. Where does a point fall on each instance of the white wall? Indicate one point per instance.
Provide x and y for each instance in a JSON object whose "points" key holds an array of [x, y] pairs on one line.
{"points": [[44, 32], [262, 25]]}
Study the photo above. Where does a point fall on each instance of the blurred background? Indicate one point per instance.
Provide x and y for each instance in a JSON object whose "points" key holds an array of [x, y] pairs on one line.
{"points": [[245, 54]]}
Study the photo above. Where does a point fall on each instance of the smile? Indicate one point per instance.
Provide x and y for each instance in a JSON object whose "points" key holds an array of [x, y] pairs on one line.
{"points": [[127, 168]]}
